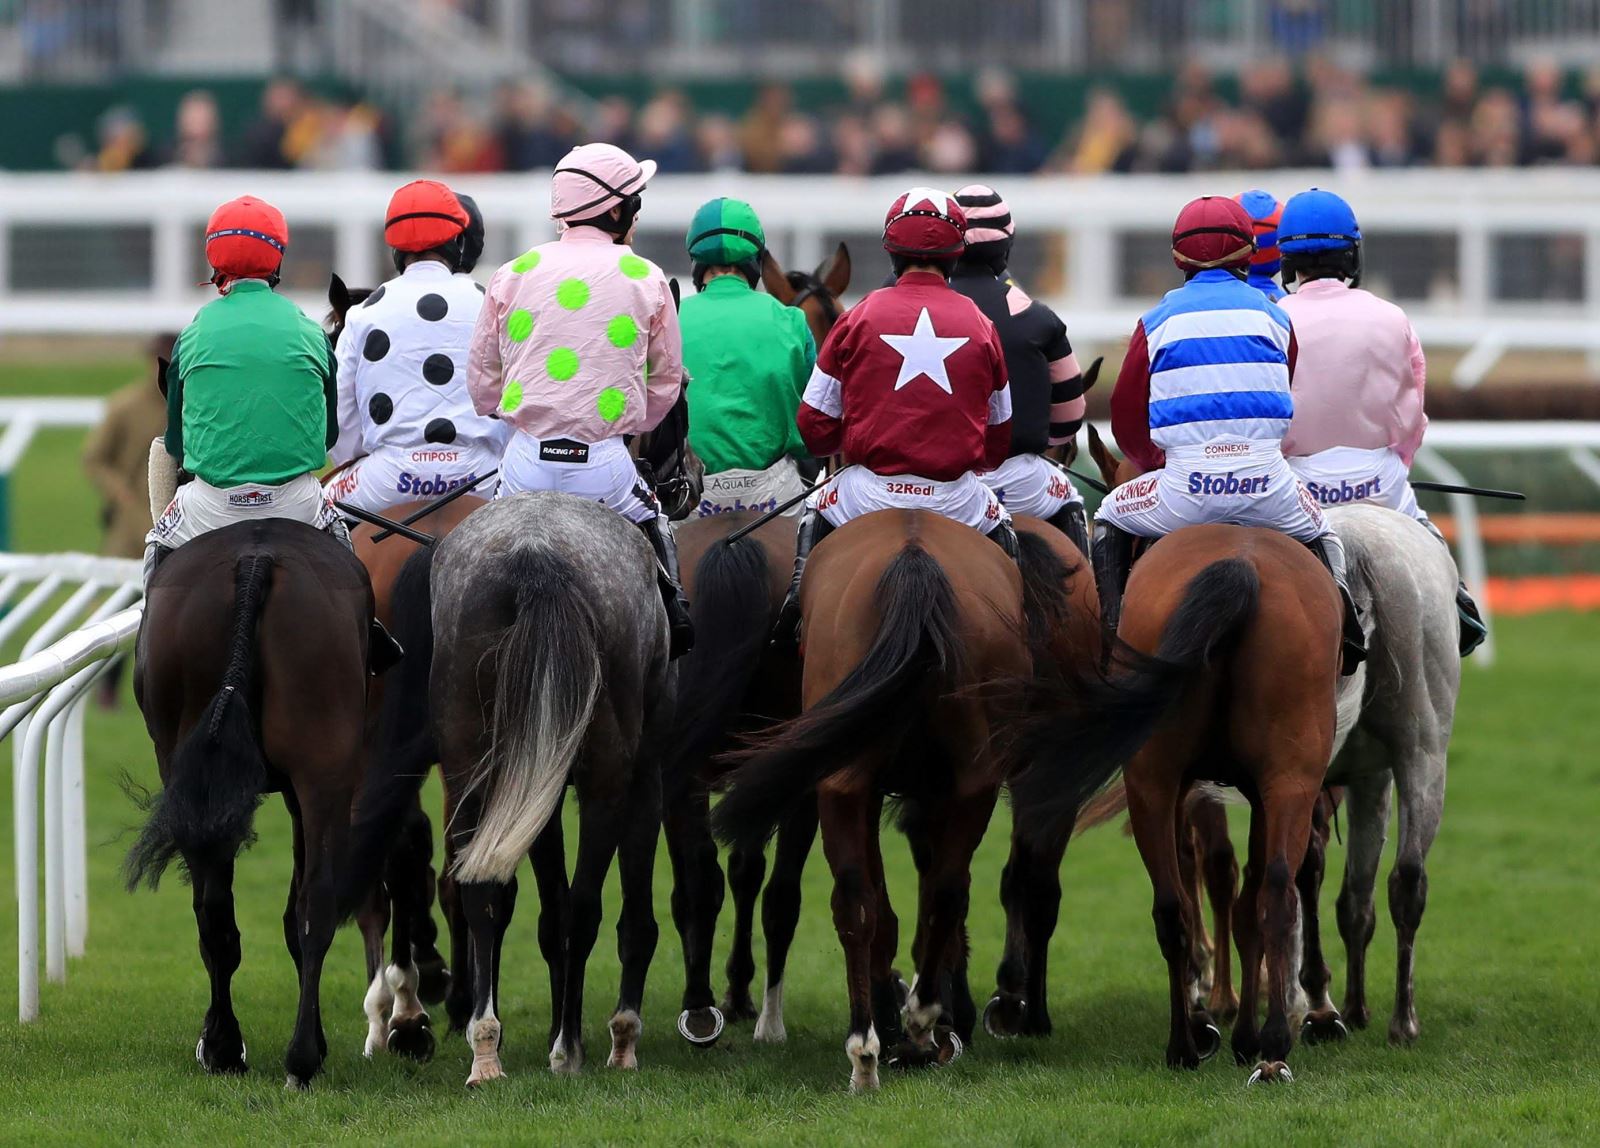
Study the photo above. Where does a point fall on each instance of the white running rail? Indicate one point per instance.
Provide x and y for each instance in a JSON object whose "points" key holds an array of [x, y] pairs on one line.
{"points": [[44, 695]]}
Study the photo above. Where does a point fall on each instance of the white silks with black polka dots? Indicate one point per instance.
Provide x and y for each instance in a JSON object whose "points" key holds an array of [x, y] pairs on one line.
{"points": [[403, 402]]}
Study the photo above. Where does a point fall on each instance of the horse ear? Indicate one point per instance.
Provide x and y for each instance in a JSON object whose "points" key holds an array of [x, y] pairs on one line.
{"points": [[338, 297], [1092, 375], [835, 273], [772, 278], [161, 375], [1103, 458]]}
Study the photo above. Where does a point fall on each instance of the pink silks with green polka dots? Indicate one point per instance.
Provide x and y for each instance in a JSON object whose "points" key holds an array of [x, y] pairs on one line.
{"points": [[578, 339]]}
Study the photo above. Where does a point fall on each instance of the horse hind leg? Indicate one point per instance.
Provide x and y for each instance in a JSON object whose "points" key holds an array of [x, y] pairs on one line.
{"points": [[325, 824], [484, 906], [747, 868], [221, 1045], [637, 932], [1030, 891], [433, 973], [780, 913], [847, 822], [373, 921], [1367, 801], [697, 893], [598, 835], [1322, 1022], [1421, 807], [1287, 823], [409, 1029]]}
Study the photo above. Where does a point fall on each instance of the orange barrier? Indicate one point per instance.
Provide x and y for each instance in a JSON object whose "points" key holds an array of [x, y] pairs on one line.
{"points": [[1537, 594], [1537, 529]]}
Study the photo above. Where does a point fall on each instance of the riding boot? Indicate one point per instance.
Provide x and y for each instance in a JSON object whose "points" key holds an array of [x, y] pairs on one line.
{"points": [[678, 620], [1112, 555], [1353, 648], [1473, 628], [813, 529], [154, 552], [1072, 522], [1005, 536]]}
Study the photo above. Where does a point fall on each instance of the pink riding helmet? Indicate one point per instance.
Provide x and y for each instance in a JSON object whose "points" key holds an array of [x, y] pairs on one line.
{"points": [[988, 217], [593, 178]]}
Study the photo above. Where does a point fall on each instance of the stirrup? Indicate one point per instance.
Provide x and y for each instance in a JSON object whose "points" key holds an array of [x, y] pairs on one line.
{"points": [[1005, 537], [1473, 628], [384, 652]]}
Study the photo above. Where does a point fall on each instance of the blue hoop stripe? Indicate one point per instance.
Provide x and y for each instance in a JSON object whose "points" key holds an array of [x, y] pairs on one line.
{"points": [[276, 245]]}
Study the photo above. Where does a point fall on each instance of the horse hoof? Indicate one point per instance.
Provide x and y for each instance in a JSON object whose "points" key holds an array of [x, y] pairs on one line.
{"points": [[1324, 1028], [1211, 1044], [1270, 1072], [701, 1027], [220, 1067], [736, 1009], [293, 1083], [412, 1040], [1004, 1015], [433, 983], [952, 1050]]}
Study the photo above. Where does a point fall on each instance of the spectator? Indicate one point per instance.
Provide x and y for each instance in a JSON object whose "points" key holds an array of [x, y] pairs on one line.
{"points": [[663, 134], [759, 133], [950, 149], [801, 148], [197, 133], [124, 145], [1270, 89], [1496, 130], [853, 145], [283, 103], [531, 134], [1390, 140], [895, 147], [115, 457], [717, 141], [1106, 140]]}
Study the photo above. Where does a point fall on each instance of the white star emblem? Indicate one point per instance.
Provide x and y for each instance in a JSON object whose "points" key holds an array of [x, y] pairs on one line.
{"points": [[923, 352]]}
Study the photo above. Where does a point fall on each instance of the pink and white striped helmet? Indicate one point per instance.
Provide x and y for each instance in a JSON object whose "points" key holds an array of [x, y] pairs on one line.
{"points": [[593, 178], [988, 217]]}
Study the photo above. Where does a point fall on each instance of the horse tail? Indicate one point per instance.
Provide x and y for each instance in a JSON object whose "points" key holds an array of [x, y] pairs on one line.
{"points": [[875, 704], [218, 774], [547, 680], [731, 622], [402, 747], [1097, 723]]}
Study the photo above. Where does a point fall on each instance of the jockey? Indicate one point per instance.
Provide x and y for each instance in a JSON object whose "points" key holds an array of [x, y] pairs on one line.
{"points": [[577, 346], [910, 386], [1264, 211], [250, 402], [1047, 404], [749, 357], [1358, 417], [404, 413], [1202, 404]]}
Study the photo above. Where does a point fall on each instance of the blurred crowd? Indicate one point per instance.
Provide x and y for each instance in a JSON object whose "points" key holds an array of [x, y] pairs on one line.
{"points": [[1316, 115]]}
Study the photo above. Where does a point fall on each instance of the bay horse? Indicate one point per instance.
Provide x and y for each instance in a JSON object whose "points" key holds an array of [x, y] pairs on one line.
{"points": [[240, 704], [734, 683], [1226, 671], [907, 614], [550, 666]]}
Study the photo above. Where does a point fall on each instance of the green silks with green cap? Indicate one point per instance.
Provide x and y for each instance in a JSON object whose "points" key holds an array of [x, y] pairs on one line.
{"points": [[725, 233]]}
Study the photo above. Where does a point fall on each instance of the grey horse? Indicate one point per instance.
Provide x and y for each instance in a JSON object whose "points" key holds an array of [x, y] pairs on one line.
{"points": [[550, 666], [1395, 719]]}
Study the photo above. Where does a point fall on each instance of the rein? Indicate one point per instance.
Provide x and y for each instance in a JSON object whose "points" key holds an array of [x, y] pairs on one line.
{"points": [[812, 287]]}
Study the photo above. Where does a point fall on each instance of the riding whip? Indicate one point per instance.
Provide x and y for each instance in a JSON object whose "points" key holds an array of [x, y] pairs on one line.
{"points": [[770, 515], [388, 524], [443, 500], [1478, 491]]}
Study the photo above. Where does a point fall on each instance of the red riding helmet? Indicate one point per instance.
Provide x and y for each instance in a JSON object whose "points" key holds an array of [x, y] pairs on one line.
{"points": [[245, 239], [423, 215], [1213, 231], [925, 222]]}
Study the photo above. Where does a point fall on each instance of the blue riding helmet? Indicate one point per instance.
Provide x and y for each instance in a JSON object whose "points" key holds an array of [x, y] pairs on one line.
{"points": [[1317, 220]]}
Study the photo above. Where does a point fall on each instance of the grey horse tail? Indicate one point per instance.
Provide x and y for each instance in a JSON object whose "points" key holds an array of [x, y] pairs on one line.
{"points": [[1096, 723], [547, 680], [217, 775]]}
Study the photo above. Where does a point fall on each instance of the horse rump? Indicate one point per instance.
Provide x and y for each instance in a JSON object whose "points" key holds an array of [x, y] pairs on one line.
{"points": [[873, 705], [217, 774], [731, 612], [1093, 722], [547, 680]]}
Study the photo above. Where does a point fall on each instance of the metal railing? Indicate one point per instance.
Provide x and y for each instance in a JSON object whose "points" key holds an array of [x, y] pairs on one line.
{"points": [[44, 695]]}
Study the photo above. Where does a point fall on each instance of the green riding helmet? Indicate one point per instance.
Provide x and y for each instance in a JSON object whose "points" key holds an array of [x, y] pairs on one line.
{"points": [[726, 233]]}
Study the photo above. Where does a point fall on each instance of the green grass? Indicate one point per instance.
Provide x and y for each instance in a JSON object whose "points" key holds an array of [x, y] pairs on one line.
{"points": [[1507, 1002]]}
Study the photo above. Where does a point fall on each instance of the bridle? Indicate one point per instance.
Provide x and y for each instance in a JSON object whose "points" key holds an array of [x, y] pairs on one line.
{"points": [[812, 287]]}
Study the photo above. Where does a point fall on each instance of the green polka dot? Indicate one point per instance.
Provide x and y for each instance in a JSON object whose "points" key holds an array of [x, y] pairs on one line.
{"points": [[572, 294], [519, 325], [611, 403], [561, 364], [512, 398], [634, 267], [525, 262], [622, 331]]}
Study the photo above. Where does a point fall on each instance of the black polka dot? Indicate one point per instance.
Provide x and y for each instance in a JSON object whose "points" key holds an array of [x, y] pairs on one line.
{"points": [[377, 293], [438, 369], [381, 408], [440, 431], [432, 307], [377, 345]]}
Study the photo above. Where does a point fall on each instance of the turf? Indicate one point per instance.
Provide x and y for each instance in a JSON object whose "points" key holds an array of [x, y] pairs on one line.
{"points": [[1508, 1007]]}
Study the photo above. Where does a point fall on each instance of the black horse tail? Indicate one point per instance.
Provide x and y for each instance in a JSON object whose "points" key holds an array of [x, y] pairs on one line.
{"points": [[218, 774], [731, 611], [876, 704], [1095, 724], [547, 681], [402, 748]]}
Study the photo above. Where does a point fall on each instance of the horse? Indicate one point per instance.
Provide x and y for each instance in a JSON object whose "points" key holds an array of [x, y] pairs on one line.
{"points": [[239, 704], [549, 665], [907, 614], [1225, 670], [734, 683]]}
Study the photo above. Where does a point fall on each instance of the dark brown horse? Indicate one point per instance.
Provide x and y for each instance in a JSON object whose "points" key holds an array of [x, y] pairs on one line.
{"points": [[1229, 676], [734, 683], [250, 670], [906, 614]]}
